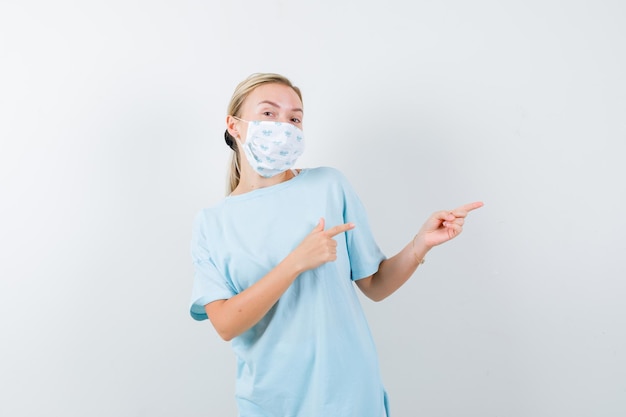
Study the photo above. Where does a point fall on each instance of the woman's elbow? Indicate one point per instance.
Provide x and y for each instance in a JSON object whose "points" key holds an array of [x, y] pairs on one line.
{"points": [[227, 333], [226, 336], [366, 285], [221, 326], [376, 297]]}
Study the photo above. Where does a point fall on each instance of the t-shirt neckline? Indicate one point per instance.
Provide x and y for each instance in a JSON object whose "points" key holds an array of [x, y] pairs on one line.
{"points": [[272, 188]]}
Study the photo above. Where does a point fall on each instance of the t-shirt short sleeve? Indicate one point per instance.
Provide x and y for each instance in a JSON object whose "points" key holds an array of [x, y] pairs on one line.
{"points": [[209, 284], [363, 251]]}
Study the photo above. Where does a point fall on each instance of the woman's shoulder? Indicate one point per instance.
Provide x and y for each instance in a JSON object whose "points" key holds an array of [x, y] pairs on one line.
{"points": [[205, 214], [330, 175], [324, 172]]}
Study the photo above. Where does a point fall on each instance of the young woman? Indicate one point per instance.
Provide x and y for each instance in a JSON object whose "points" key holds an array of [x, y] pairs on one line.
{"points": [[277, 261]]}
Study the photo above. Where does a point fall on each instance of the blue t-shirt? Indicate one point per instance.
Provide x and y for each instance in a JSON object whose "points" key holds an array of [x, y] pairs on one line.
{"points": [[312, 354]]}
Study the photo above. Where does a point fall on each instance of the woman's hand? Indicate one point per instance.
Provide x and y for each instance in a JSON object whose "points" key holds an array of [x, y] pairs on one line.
{"points": [[443, 226], [318, 247]]}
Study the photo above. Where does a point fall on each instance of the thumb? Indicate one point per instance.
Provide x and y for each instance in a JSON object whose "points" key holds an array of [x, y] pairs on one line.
{"points": [[320, 226]]}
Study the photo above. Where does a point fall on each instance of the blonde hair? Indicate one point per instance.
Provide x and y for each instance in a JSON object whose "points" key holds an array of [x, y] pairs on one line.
{"points": [[234, 108]]}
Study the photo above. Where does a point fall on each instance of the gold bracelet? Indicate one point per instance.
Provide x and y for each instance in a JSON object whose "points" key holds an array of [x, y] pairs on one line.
{"points": [[419, 261]]}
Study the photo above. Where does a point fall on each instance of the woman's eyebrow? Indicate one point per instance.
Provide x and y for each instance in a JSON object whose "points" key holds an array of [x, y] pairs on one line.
{"points": [[271, 103]]}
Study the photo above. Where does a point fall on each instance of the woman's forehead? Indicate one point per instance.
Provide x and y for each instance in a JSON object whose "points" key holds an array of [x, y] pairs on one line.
{"points": [[276, 95]]}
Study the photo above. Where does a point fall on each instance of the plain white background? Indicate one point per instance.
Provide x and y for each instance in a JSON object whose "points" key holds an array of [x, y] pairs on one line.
{"points": [[111, 122]]}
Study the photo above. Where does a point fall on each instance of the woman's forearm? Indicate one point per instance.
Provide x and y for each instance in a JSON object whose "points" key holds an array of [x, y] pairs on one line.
{"points": [[239, 313], [441, 226], [393, 272]]}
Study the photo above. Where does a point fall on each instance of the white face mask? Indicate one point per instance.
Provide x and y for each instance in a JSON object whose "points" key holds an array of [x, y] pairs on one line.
{"points": [[272, 147]]}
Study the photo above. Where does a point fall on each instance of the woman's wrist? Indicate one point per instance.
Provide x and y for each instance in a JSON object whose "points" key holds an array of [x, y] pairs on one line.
{"points": [[292, 265], [419, 249]]}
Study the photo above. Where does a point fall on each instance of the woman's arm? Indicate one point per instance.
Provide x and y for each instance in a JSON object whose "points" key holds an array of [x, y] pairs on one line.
{"points": [[441, 227], [239, 313]]}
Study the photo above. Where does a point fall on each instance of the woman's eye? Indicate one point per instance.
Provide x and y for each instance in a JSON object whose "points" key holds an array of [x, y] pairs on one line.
{"points": [[296, 120], [267, 113]]}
